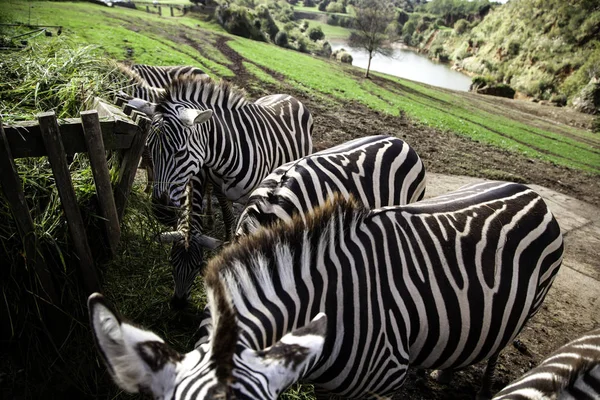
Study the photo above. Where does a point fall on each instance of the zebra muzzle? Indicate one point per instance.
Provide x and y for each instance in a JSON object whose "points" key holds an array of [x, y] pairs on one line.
{"points": [[175, 236]]}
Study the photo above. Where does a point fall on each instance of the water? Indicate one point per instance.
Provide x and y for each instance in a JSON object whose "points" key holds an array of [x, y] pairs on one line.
{"points": [[410, 65]]}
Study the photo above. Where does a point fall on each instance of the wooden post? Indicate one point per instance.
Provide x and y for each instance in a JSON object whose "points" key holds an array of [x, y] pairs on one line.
{"points": [[97, 154], [129, 165], [159, 11], [10, 182], [147, 9], [171, 11], [58, 162]]}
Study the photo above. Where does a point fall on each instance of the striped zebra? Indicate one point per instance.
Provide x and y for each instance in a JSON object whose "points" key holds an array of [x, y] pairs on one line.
{"points": [[146, 85], [147, 82], [571, 372], [201, 124], [378, 170], [350, 298]]}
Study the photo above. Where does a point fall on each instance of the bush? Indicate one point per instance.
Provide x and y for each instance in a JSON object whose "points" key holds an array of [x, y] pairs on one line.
{"points": [[309, 3], [304, 26], [281, 39], [409, 28], [238, 21], [315, 33], [461, 26], [326, 50], [302, 44], [342, 55], [323, 5], [513, 48], [335, 7]]}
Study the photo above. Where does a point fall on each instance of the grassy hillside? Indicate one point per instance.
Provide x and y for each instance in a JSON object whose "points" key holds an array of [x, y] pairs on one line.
{"points": [[542, 48], [147, 38]]}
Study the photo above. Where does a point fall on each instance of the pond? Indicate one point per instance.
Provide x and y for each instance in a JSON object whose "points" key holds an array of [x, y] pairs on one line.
{"points": [[410, 65]]}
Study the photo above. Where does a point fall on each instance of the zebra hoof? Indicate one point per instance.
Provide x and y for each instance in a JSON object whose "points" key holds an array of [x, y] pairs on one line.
{"points": [[178, 303], [442, 376]]}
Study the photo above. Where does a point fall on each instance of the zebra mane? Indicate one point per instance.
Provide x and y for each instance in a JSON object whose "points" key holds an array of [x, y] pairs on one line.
{"points": [[243, 254], [135, 79], [206, 91]]}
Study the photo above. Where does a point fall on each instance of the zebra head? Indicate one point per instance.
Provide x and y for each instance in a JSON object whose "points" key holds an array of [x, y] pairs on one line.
{"points": [[139, 361], [173, 153]]}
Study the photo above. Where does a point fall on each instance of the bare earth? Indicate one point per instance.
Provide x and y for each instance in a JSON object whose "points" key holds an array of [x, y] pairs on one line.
{"points": [[572, 305]]}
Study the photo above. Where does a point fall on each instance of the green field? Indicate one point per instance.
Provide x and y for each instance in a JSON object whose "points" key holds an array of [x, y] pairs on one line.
{"points": [[189, 40]]}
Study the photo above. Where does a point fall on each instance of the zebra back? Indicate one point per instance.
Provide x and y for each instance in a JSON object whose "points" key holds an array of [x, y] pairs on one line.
{"points": [[377, 170], [571, 372]]}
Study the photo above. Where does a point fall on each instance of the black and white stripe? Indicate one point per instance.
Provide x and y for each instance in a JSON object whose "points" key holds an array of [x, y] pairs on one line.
{"points": [[571, 372], [377, 170], [350, 298], [200, 125]]}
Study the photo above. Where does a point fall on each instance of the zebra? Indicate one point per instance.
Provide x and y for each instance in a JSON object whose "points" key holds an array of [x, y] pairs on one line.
{"points": [[147, 84], [378, 170], [202, 124], [571, 372], [350, 298]]}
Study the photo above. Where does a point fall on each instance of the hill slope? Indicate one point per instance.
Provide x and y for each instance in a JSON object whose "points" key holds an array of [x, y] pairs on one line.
{"points": [[542, 48]]}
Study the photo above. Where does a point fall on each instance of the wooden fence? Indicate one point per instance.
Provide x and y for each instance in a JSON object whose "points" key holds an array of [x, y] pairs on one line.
{"points": [[104, 127]]}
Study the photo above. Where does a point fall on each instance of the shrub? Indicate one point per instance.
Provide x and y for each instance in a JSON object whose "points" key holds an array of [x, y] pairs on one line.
{"points": [[315, 33], [409, 28], [461, 26], [342, 55], [304, 26], [323, 5], [335, 7], [281, 39], [513, 48], [309, 3], [301, 44], [237, 20], [423, 25], [326, 50], [407, 39]]}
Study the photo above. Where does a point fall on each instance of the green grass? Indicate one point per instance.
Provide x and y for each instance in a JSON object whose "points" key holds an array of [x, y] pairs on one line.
{"points": [[331, 32]]}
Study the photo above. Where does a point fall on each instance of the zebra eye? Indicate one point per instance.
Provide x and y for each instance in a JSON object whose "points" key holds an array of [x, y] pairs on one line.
{"points": [[180, 153]]}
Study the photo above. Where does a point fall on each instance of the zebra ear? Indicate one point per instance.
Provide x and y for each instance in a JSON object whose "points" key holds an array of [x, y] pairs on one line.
{"points": [[190, 116], [143, 106], [138, 360], [288, 360]]}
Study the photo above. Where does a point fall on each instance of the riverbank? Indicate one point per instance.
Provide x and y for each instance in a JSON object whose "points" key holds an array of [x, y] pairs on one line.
{"points": [[409, 64]]}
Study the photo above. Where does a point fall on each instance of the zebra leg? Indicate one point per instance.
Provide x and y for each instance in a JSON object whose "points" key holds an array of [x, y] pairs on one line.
{"points": [[229, 218], [485, 393], [443, 376]]}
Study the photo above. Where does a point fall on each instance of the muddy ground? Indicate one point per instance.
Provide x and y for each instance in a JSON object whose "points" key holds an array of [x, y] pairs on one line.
{"points": [[563, 316]]}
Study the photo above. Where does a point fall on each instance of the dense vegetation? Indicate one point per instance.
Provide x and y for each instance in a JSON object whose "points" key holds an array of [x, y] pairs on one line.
{"points": [[547, 49]]}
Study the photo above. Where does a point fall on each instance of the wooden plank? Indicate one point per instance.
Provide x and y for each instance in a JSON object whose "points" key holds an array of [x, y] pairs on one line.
{"points": [[58, 161], [25, 140], [107, 110], [97, 154], [13, 191], [131, 160]]}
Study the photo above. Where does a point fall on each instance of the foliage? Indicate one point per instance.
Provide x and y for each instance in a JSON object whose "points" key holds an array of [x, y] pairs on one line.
{"points": [[339, 20], [323, 5], [238, 20], [336, 7], [309, 3], [58, 75], [461, 26], [372, 31], [316, 33], [281, 39]]}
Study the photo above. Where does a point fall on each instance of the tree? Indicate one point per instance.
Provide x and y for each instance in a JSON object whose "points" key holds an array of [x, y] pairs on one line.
{"points": [[372, 29]]}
